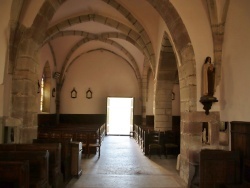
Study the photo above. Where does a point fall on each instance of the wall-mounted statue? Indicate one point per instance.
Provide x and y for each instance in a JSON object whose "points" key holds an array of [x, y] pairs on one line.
{"points": [[208, 78], [208, 85]]}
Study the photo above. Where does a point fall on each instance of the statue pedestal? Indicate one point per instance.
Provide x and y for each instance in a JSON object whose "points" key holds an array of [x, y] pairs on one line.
{"points": [[207, 102]]}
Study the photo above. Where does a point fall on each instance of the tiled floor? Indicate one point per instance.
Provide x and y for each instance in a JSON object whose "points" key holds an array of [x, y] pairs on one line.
{"points": [[123, 165]]}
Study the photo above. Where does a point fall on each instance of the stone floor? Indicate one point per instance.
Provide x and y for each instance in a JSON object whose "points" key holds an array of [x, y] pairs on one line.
{"points": [[123, 165]]}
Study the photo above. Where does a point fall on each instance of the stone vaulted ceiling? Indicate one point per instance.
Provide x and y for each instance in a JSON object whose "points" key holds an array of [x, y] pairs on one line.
{"points": [[124, 28]]}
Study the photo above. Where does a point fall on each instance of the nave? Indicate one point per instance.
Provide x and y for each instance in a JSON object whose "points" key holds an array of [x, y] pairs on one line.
{"points": [[123, 165]]}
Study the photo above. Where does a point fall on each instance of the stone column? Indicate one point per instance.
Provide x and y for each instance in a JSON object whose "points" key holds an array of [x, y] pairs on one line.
{"points": [[163, 106], [24, 91], [163, 91], [191, 141], [145, 81]]}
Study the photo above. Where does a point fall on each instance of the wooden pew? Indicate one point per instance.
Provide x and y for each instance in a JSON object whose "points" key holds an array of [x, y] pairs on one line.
{"points": [[74, 131], [38, 165], [69, 130], [14, 174], [71, 154], [54, 149]]}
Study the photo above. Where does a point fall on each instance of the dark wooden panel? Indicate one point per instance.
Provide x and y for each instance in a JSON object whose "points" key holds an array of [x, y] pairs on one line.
{"points": [[240, 141], [240, 134], [50, 119], [176, 122], [14, 174], [150, 120], [83, 118], [218, 167], [137, 119], [46, 119]]}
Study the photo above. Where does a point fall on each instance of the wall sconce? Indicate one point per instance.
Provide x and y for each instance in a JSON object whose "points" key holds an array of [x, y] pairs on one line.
{"points": [[89, 94], [173, 96], [73, 93], [53, 92]]}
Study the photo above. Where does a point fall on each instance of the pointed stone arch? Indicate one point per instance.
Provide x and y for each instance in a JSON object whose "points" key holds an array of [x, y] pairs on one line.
{"points": [[165, 79]]}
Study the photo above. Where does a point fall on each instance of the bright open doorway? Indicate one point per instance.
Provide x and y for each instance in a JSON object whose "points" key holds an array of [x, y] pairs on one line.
{"points": [[119, 115]]}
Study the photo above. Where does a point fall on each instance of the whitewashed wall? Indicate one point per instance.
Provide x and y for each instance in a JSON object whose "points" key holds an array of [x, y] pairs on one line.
{"points": [[235, 100], [106, 75]]}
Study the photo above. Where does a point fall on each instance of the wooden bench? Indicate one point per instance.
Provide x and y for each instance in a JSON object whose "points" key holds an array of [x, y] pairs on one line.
{"points": [[54, 149], [14, 174], [78, 132], [140, 134], [38, 165], [71, 155], [69, 131]]}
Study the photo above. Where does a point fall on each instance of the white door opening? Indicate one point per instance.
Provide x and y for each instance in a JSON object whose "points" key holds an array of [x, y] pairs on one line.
{"points": [[119, 115]]}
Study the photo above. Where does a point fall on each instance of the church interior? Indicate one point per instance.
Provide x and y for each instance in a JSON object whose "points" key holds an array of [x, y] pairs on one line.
{"points": [[182, 64]]}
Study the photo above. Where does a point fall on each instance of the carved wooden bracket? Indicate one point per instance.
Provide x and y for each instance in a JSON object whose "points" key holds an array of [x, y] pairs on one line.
{"points": [[207, 102]]}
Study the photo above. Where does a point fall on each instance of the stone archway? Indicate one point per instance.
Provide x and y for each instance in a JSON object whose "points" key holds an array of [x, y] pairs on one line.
{"points": [[24, 46], [165, 78], [191, 120]]}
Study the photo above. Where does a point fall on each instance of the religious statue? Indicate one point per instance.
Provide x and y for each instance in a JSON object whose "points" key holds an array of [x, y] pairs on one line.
{"points": [[208, 85], [208, 78]]}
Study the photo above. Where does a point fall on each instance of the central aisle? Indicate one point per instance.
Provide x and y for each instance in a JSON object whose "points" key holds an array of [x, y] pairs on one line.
{"points": [[123, 165]]}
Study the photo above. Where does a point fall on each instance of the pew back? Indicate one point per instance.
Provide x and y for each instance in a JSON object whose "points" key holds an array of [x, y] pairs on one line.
{"points": [[38, 164], [54, 167], [14, 173]]}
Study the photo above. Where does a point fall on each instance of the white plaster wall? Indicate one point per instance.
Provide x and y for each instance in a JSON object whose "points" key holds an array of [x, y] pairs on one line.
{"points": [[106, 75], [235, 100]]}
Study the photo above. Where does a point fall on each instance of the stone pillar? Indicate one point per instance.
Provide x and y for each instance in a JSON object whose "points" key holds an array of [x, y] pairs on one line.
{"points": [[24, 91], [163, 91], [191, 141], [145, 80], [163, 106]]}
